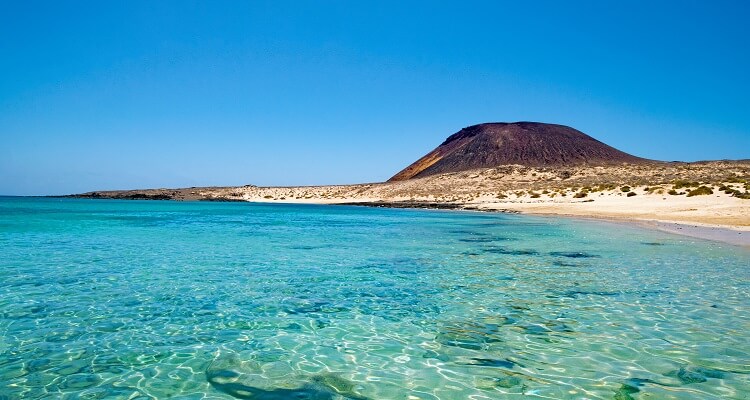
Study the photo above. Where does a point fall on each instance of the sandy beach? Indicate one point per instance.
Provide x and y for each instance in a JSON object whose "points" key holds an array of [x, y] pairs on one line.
{"points": [[708, 200], [717, 217]]}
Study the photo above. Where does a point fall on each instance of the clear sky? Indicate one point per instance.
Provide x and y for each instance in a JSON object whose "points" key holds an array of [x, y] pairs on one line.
{"points": [[115, 95]]}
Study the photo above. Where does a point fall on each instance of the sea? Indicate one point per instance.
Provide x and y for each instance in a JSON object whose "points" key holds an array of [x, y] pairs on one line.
{"points": [[109, 299]]}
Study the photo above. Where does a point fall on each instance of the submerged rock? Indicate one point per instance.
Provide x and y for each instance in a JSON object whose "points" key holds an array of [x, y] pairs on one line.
{"points": [[563, 264], [687, 376], [576, 293], [711, 373], [225, 375], [79, 381], [573, 254], [535, 329], [339, 385], [508, 382], [490, 362], [241, 391], [631, 386], [477, 240], [511, 252], [435, 355], [625, 391], [469, 335], [486, 239]]}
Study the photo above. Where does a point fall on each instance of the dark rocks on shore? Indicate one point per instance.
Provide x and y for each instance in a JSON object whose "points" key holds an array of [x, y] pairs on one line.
{"points": [[424, 205], [221, 199], [154, 194], [121, 196]]}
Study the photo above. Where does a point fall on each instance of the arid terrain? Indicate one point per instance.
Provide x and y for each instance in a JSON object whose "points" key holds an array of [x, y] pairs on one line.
{"points": [[709, 193], [529, 167]]}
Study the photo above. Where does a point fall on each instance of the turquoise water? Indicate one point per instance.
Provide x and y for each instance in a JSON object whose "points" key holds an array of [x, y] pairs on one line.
{"points": [[138, 299]]}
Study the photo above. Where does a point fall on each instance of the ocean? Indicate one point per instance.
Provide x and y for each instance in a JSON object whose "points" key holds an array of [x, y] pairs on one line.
{"points": [[107, 299]]}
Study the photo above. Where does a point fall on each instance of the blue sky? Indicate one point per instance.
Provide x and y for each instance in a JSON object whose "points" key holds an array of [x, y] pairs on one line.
{"points": [[114, 95]]}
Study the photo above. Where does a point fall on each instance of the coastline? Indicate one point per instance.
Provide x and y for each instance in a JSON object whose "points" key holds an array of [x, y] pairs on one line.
{"points": [[729, 234], [716, 233], [709, 200], [707, 232], [737, 234]]}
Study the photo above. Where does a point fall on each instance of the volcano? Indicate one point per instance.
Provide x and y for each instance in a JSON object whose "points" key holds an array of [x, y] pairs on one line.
{"points": [[532, 144]]}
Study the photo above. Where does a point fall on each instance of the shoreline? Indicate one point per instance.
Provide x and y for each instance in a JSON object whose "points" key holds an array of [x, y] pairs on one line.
{"points": [[714, 233], [735, 235], [709, 200], [727, 234], [717, 233]]}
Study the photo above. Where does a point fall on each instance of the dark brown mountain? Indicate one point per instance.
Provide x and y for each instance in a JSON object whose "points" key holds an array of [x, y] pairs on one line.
{"points": [[531, 144]]}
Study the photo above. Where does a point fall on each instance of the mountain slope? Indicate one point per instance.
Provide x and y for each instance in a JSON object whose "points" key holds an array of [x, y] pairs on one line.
{"points": [[531, 144]]}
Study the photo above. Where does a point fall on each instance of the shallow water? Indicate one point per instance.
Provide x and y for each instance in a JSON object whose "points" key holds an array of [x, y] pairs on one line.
{"points": [[145, 299]]}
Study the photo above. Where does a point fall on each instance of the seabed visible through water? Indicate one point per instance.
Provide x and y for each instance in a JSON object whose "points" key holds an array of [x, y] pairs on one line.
{"points": [[104, 299]]}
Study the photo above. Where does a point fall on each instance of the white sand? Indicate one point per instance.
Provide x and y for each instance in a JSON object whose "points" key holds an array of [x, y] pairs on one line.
{"points": [[548, 191], [716, 217]]}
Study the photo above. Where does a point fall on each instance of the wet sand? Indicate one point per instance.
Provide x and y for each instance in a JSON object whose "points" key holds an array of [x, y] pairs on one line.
{"points": [[715, 233]]}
